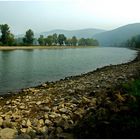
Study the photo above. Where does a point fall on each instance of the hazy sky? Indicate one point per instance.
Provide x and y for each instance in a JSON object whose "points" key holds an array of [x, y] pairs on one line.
{"points": [[68, 14]]}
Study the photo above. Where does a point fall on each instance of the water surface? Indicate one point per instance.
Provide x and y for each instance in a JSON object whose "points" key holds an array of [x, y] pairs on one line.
{"points": [[26, 68]]}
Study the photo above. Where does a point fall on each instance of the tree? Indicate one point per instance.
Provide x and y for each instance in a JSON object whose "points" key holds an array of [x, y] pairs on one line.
{"points": [[29, 37], [55, 39], [134, 42], [74, 41], [91, 42], [68, 42], [11, 40], [61, 39], [49, 40], [6, 37], [82, 42], [41, 40]]}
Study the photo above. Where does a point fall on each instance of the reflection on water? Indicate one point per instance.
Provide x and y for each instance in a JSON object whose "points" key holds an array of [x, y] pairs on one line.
{"points": [[25, 68]]}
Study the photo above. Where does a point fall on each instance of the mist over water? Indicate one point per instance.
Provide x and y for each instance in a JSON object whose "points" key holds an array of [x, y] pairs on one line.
{"points": [[26, 68]]}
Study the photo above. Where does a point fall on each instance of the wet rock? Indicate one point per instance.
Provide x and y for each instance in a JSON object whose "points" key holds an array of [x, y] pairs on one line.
{"points": [[8, 133]]}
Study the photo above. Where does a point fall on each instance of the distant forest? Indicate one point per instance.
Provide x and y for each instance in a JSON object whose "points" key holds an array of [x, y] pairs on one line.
{"points": [[134, 42], [8, 39]]}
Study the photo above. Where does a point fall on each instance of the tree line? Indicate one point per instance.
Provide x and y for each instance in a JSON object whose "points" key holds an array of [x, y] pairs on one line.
{"points": [[8, 39], [134, 42]]}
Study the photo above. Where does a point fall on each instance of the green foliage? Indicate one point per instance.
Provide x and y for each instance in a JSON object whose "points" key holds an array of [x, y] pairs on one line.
{"points": [[41, 40], [61, 39], [29, 38], [49, 40], [55, 39], [133, 88], [134, 42], [82, 42], [74, 41], [88, 42], [6, 38]]}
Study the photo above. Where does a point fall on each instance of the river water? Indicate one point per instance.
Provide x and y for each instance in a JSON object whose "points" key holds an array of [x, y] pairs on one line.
{"points": [[26, 68]]}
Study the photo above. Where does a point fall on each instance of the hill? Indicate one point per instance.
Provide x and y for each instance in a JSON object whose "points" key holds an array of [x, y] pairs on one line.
{"points": [[83, 33], [118, 36]]}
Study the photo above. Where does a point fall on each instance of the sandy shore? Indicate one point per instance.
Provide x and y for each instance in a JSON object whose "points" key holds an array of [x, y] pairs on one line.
{"points": [[40, 47], [52, 110]]}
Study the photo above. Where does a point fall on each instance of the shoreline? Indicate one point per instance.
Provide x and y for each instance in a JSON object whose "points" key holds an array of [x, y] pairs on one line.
{"points": [[2, 48], [53, 109]]}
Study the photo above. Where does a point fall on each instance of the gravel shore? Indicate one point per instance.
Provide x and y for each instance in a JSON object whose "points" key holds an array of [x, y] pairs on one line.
{"points": [[53, 109]]}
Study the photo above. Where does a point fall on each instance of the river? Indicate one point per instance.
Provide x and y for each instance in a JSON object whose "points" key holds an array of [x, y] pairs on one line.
{"points": [[26, 68]]}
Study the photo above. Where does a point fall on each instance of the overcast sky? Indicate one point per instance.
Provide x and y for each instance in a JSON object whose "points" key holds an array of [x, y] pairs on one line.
{"points": [[68, 14]]}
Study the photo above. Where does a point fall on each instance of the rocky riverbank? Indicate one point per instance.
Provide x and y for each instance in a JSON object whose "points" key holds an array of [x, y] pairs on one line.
{"points": [[53, 110]]}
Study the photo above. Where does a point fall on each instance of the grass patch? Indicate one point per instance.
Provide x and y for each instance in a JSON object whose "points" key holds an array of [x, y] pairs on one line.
{"points": [[133, 88]]}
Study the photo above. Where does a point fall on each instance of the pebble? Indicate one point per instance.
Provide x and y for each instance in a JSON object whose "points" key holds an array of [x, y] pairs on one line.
{"points": [[8, 133], [38, 103], [1, 121], [41, 122], [63, 110], [28, 123], [48, 122]]}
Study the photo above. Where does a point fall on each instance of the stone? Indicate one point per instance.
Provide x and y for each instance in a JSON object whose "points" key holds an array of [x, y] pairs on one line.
{"points": [[45, 108], [7, 123], [1, 121], [65, 136], [22, 107], [8, 102], [23, 130], [28, 123], [23, 123], [44, 129], [46, 116], [63, 110], [41, 122], [59, 130], [23, 136], [38, 103], [65, 117], [8, 133], [85, 100], [52, 116], [48, 122]]}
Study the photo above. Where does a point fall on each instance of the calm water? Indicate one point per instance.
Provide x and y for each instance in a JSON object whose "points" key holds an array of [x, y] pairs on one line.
{"points": [[26, 68]]}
